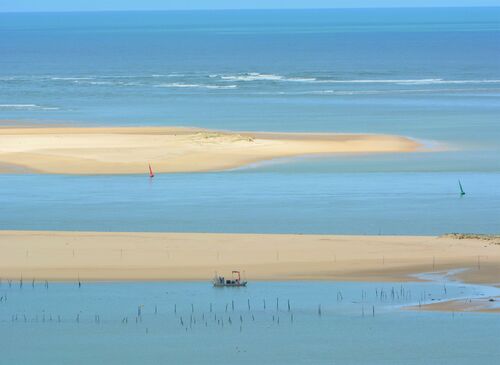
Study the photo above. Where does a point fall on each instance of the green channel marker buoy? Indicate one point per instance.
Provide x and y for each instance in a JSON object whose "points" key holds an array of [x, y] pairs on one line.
{"points": [[462, 192]]}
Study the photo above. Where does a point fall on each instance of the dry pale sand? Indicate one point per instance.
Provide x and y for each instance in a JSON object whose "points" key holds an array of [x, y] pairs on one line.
{"points": [[71, 150], [196, 256]]}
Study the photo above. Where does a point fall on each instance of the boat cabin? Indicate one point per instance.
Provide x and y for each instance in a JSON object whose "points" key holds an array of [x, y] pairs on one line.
{"points": [[221, 281]]}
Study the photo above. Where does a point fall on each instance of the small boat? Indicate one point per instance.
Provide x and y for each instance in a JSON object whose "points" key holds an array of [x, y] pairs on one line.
{"points": [[462, 192], [220, 281], [151, 174]]}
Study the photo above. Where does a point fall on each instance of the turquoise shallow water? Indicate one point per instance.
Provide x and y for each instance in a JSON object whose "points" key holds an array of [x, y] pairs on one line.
{"points": [[100, 324], [255, 201]]}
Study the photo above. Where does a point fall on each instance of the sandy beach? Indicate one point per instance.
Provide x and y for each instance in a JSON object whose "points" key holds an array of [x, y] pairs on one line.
{"points": [[45, 255], [121, 150]]}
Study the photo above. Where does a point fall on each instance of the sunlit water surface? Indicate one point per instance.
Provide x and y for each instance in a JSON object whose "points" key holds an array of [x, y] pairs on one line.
{"points": [[266, 323]]}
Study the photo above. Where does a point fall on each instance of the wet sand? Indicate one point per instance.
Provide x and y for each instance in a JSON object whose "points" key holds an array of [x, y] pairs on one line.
{"points": [[483, 305], [129, 150], [66, 256]]}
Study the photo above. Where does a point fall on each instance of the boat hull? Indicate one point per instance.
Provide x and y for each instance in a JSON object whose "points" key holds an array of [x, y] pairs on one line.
{"points": [[232, 285]]}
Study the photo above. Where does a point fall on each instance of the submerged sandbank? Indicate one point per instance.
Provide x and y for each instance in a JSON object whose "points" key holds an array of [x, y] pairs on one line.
{"points": [[66, 256], [483, 304], [128, 150]]}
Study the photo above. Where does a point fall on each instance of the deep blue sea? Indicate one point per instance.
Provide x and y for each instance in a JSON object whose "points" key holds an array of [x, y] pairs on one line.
{"points": [[430, 74]]}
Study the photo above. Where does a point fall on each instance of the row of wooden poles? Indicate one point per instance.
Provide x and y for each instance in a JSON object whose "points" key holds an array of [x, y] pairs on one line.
{"points": [[394, 294], [225, 319]]}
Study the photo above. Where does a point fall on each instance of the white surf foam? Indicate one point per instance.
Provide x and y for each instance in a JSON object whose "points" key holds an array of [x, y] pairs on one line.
{"points": [[167, 75], [408, 81], [389, 91], [196, 86], [256, 76], [71, 78], [26, 107], [252, 76]]}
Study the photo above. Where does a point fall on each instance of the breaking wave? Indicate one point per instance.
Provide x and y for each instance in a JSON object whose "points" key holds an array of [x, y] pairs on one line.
{"points": [[199, 86], [255, 76], [26, 107]]}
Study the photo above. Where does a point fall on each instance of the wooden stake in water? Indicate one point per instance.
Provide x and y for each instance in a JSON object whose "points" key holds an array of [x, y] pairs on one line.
{"points": [[339, 296]]}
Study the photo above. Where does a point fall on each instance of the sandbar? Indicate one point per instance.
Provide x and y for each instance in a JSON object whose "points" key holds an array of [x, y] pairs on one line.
{"points": [[129, 150], [129, 256], [483, 304]]}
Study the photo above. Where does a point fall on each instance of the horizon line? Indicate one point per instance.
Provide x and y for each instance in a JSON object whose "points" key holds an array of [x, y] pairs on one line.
{"points": [[247, 9]]}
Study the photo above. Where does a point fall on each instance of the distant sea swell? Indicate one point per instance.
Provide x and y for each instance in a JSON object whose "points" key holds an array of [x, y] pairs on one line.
{"points": [[216, 79], [244, 83]]}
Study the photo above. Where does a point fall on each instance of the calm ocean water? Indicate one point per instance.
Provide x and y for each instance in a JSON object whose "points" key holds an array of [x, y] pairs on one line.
{"points": [[431, 74], [265, 323], [260, 202]]}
